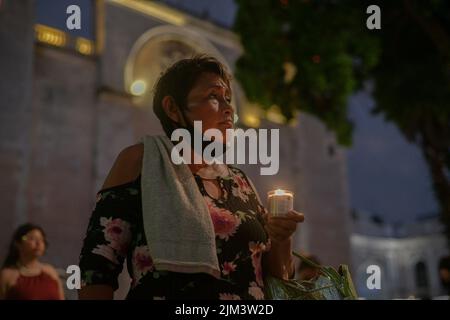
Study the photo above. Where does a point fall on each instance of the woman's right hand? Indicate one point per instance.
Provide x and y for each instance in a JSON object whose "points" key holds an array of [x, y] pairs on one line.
{"points": [[281, 228]]}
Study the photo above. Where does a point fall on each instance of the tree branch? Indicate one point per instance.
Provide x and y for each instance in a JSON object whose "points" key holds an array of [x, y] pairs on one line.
{"points": [[433, 29]]}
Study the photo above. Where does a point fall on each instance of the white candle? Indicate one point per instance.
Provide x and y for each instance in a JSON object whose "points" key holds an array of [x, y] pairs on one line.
{"points": [[280, 202]]}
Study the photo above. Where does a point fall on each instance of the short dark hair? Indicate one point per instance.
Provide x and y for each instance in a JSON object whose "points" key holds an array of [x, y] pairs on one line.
{"points": [[178, 80], [12, 256]]}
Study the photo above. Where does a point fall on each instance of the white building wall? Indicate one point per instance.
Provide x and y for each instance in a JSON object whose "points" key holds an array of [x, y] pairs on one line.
{"points": [[397, 259]]}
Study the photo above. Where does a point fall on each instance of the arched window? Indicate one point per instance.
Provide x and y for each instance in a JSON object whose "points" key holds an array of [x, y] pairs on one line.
{"points": [[156, 50]]}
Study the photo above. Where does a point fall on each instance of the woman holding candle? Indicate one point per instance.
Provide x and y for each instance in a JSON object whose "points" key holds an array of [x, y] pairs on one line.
{"points": [[249, 243]]}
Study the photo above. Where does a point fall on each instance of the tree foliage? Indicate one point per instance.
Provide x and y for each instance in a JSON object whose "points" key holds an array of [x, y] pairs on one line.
{"points": [[412, 84], [327, 43], [333, 52]]}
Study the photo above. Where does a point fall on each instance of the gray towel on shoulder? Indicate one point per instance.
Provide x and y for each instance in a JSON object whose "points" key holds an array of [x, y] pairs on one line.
{"points": [[177, 224]]}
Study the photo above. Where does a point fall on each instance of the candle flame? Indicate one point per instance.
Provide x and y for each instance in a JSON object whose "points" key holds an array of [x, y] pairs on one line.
{"points": [[280, 192]]}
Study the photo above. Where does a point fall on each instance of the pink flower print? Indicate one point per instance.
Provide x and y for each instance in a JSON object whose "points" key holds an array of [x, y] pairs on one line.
{"points": [[228, 267], [243, 189], [142, 260], [105, 251], [225, 223], [117, 232], [142, 263], [255, 291], [256, 250], [242, 183], [228, 296]]}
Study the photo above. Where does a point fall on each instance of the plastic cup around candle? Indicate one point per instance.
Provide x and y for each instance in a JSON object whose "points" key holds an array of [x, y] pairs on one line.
{"points": [[280, 202]]}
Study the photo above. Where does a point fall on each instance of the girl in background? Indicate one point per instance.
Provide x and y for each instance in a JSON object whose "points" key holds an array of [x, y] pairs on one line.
{"points": [[23, 276]]}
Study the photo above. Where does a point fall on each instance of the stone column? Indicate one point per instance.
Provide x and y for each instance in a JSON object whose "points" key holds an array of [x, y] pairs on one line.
{"points": [[16, 72]]}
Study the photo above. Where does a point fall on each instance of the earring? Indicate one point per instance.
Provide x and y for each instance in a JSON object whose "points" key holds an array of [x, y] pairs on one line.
{"points": [[235, 118]]}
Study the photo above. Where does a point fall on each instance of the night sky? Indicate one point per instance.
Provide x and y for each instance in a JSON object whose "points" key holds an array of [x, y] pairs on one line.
{"points": [[53, 13], [387, 175]]}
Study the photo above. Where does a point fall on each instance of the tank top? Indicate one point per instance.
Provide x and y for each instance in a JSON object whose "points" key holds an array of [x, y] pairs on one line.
{"points": [[39, 287]]}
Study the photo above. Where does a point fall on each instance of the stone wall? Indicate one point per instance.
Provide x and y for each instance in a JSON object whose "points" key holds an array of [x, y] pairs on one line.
{"points": [[16, 70], [60, 190], [397, 259]]}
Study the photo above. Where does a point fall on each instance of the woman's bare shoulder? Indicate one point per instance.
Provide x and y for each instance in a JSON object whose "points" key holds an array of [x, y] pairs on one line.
{"points": [[8, 278], [127, 166], [8, 275], [50, 270]]}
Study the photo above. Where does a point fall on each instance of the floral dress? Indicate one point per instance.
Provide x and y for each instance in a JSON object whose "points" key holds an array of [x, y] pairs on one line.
{"points": [[116, 233]]}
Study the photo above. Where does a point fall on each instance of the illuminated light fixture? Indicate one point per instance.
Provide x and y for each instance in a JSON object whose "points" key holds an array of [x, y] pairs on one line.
{"points": [[50, 35], [138, 87], [290, 70], [274, 115], [152, 9], [251, 120], [84, 46], [293, 122]]}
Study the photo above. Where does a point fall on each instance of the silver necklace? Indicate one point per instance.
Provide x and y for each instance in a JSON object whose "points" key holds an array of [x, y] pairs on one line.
{"points": [[29, 271]]}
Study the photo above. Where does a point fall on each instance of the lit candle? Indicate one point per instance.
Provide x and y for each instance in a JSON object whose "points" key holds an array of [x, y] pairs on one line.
{"points": [[280, 202]]}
